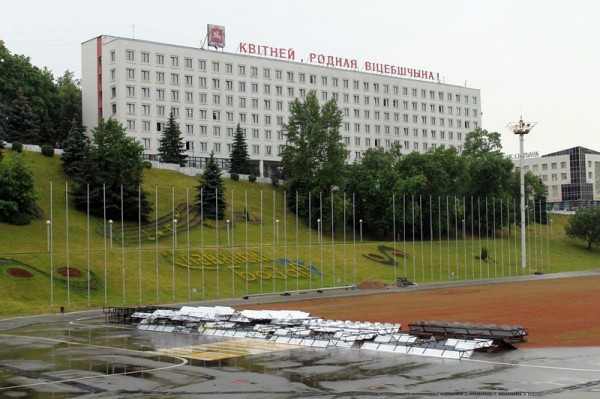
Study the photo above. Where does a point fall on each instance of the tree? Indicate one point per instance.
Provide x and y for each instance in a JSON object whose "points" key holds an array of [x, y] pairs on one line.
{"points": [[20, 125], [76, 150], [480, 142], [489, 177], [239, 159], [172, 147], [69, 104], [211, 191], [314, 156], [17, 191], [114, 163], [585, 225]]}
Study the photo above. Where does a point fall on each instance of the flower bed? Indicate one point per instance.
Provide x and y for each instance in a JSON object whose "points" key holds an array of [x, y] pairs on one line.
{"points": [[20, 273], [70, 272]]}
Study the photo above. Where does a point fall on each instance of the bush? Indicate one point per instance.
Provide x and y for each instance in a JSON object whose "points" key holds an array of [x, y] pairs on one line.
{"points": [[234, 176], [147, 164], [17, 147], [48, 150], [485, 254], [274, 181], [251, 178]]}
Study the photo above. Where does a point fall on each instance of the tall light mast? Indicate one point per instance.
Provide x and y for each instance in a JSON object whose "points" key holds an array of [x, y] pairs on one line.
{"points": [[522, 128]]}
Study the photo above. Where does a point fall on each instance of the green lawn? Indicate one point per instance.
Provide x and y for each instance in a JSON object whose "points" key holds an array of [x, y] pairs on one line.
{"points": [[138, 269]]}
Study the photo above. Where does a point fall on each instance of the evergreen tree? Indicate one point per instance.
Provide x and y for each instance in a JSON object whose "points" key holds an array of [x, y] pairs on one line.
{"points": [[17, 191], [114, 161], [211, 191], [76, 150], [239, 159], [20, 125], [172, 147]]}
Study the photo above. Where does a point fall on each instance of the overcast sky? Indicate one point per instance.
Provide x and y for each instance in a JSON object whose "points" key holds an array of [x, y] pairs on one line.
{"points": [[535, 58]]}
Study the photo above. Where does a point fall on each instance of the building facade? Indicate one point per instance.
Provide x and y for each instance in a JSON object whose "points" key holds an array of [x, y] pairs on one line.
{"points": [[572, 177], [140, 83]]}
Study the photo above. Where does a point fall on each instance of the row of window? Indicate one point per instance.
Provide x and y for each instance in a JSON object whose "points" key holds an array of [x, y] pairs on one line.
{"points": [[553, 166], [255, 149], [243, 86], [253, 71]]}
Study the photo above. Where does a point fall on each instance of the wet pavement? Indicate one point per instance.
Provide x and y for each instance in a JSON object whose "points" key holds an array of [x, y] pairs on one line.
{"points": [[77, 355]]}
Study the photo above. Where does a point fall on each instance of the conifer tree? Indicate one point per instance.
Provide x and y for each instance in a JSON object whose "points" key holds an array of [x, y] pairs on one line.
{"points": [[211, 191], [239, 159], [76, 150], [172, 147], [21, 126]]}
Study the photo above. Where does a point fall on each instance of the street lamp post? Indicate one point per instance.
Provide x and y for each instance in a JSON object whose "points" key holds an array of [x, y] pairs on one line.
{"points": [[227, 225], [277, 230], [110, 223], [360, 225], [319, 230], [48, 233], [522, 128]]}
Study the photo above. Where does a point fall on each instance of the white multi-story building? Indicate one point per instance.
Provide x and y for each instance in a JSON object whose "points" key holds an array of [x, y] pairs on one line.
{"points": [[572, 176], [140, 83]]}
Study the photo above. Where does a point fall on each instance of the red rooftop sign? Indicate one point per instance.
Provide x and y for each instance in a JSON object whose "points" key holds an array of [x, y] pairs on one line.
{"points": [[338, 62]]}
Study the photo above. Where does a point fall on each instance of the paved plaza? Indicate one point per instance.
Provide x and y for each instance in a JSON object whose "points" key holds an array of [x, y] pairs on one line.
{"points": [[78, 355]]}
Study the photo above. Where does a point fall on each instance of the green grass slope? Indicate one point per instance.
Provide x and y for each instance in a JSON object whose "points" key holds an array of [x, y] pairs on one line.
{"points": [[196, 260]]}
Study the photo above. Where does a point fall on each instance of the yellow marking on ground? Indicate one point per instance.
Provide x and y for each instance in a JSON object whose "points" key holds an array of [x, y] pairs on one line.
{"points": [[229, 349]]}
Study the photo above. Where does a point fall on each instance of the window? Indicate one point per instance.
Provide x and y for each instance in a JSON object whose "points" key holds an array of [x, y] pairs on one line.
{"points": [[324, 80], [216, 115], [216, 131], [160, 110], [130, 73], [189, 97], [255, 149], [189, 112], [160, 77], [242, 86], [130, 91], [145, 76], [145, 109], [130, 124], [290, 76], [203, 146], [268, 150], [189, 80], [189, 129], [145, 92], [266, 73], [563, 165], [313, 79], [203, 130], [216, 99], [175, 95], [255, 133], [278, 74], [174, 61], [130, 108], [202, 65], [217, 147], [175, 112], [146, 143], [160, 59], [188, 63], [216, 83], [202, 98], [215, 66], [242, 70], [229, 100]]}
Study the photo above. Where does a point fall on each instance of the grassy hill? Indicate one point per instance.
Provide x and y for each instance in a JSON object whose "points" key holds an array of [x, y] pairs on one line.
{"points": [[196, 260]]}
